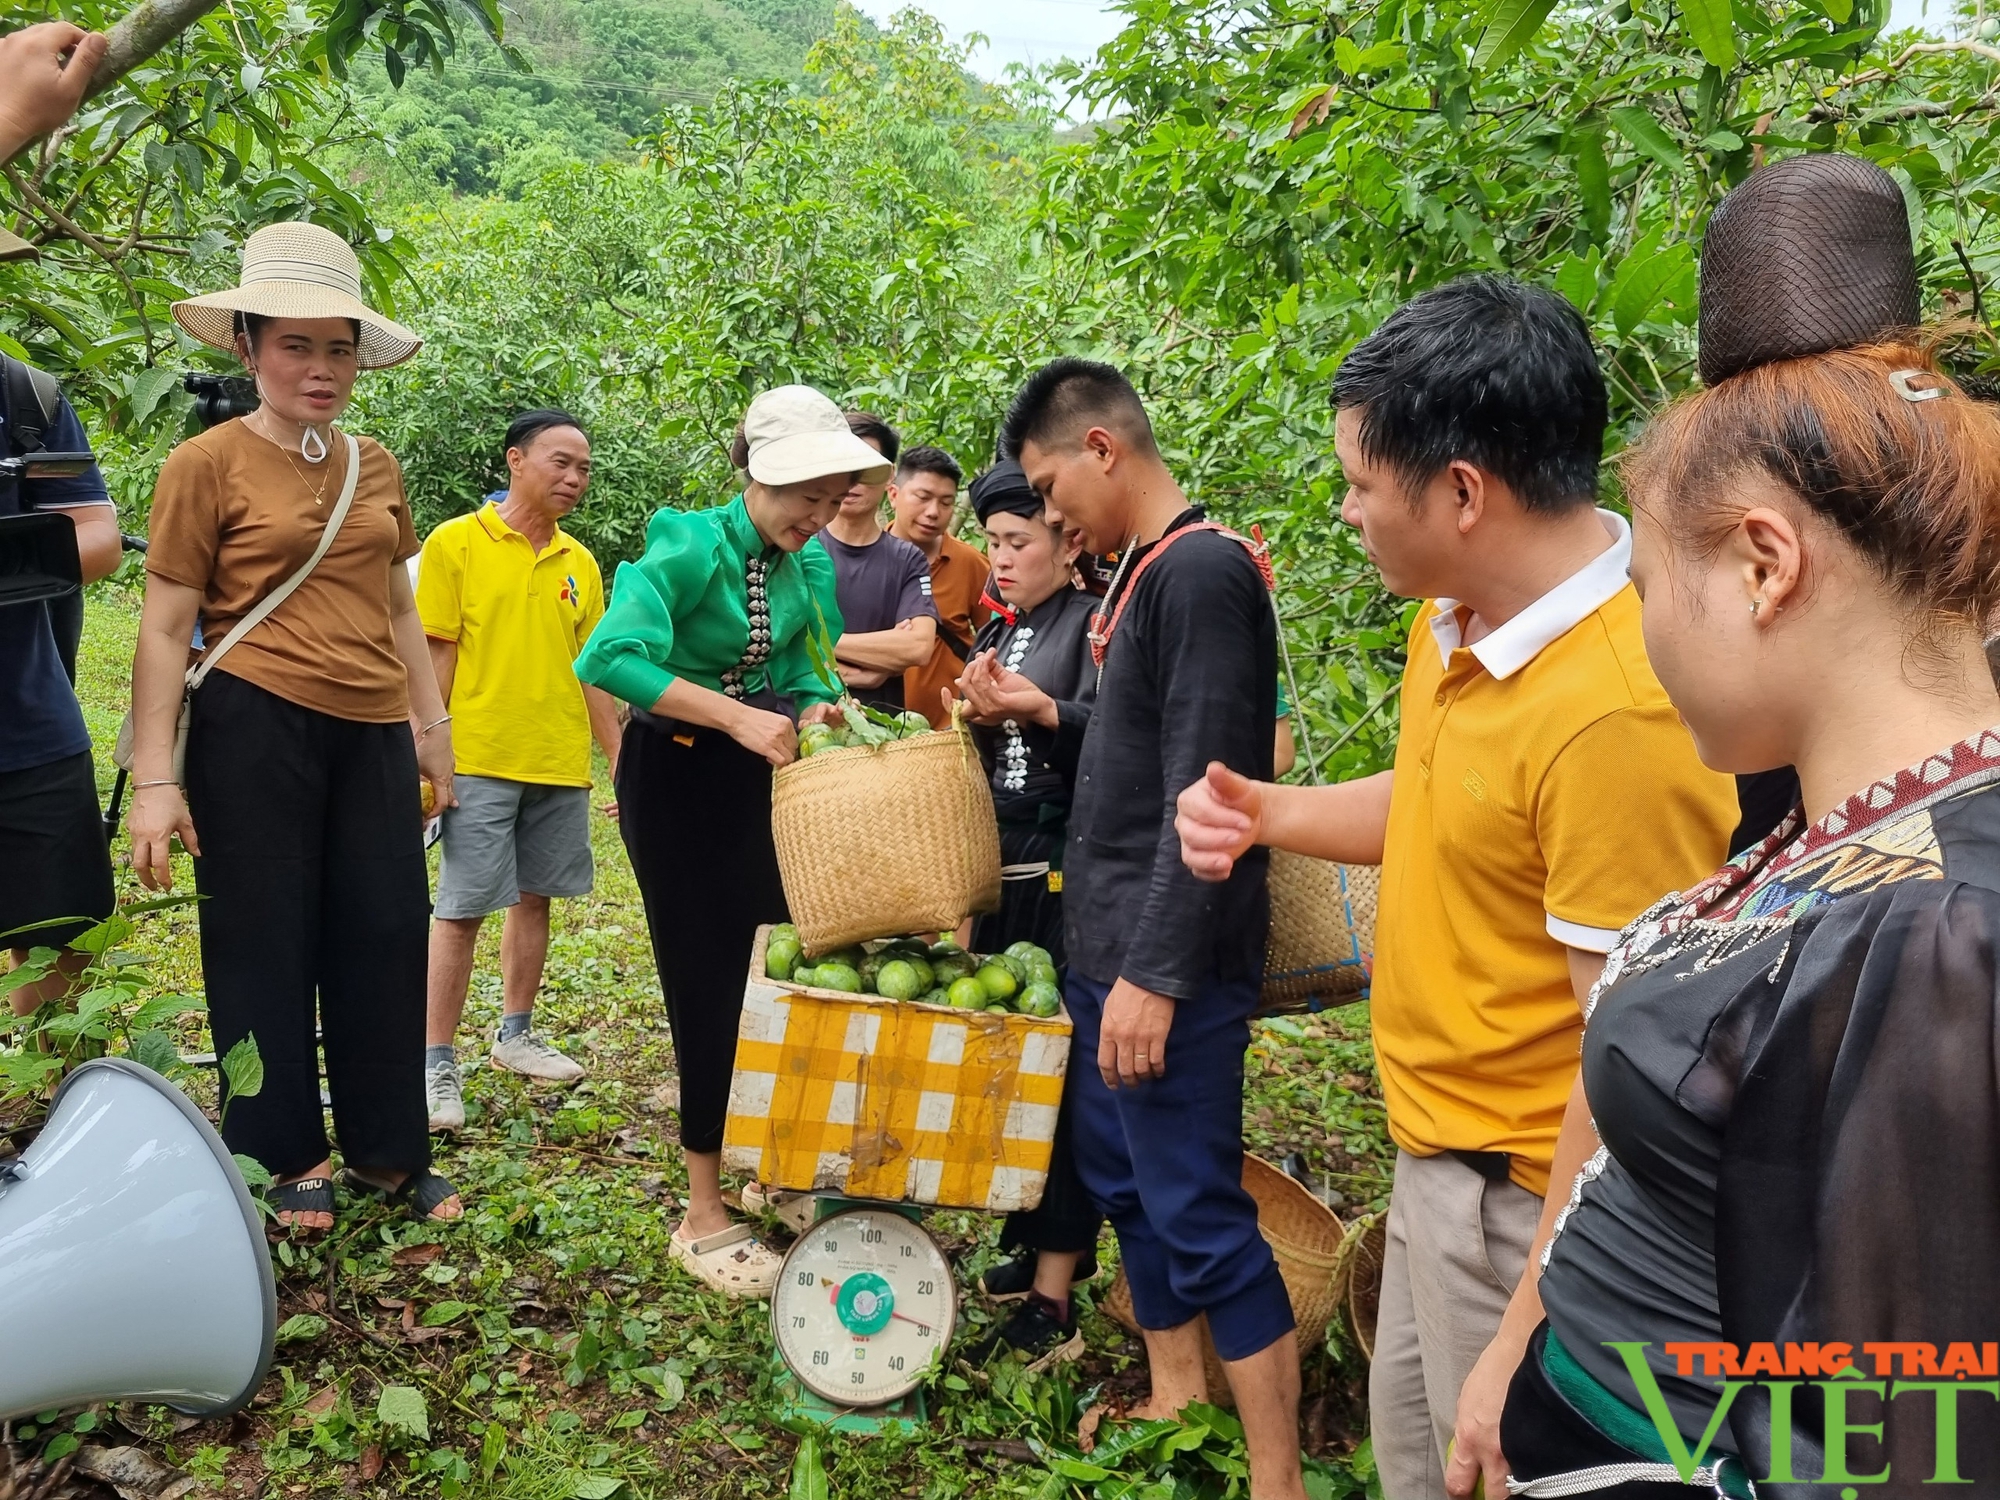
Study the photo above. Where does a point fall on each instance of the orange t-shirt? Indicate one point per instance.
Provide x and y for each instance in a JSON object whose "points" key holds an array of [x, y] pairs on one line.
{"points": [[958, 578], [234, 515]]}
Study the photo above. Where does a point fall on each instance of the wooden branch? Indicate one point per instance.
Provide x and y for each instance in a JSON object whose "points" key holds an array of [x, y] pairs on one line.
{"points": [[147, 28]]}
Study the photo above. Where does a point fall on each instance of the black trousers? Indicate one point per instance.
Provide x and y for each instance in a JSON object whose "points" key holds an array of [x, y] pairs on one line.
{"points": [[1543, 1435], [55, 867], [696, 820], [1065, 1219], [315, 898]]}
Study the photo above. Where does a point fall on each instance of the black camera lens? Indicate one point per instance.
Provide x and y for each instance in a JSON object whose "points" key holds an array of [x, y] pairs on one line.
{"points": [[220, 398]]}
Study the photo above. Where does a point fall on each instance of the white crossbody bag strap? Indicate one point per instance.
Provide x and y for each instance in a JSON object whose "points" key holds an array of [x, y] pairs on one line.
{"points": [[283, 591]]}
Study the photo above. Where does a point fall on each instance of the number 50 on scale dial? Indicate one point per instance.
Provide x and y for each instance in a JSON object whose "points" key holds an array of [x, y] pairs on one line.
{"points": [[864, 1302]]}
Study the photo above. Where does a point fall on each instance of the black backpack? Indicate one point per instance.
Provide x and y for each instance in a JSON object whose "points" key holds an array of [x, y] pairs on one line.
{"points": [[33, 399]]}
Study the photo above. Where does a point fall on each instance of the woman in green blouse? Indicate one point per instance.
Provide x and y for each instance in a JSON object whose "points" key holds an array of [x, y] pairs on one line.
{"points": [[706, 639]]}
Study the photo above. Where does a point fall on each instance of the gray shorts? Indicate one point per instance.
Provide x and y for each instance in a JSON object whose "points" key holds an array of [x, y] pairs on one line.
{"points": [[509, 838]]}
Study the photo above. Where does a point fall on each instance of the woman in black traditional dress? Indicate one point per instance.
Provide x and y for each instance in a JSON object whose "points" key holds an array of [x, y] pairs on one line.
{"points": [[1791, 1068], [1030, 683]]}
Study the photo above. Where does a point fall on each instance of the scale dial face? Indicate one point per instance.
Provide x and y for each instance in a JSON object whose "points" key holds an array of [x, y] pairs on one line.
{"points": [[864, 1302]]}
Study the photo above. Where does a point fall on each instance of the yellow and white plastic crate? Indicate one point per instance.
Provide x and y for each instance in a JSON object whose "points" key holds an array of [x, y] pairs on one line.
{"points": [[890, 1099]]}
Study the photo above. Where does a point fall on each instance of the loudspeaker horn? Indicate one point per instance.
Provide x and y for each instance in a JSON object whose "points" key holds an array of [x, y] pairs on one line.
{"points": [[132, 1261]]}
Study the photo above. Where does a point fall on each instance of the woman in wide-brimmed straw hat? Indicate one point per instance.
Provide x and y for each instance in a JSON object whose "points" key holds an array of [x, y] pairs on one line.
{"points": [[307, 733]]}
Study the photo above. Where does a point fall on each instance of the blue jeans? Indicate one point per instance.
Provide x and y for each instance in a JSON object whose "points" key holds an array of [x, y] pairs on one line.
{"points": [[1164, 1161]]}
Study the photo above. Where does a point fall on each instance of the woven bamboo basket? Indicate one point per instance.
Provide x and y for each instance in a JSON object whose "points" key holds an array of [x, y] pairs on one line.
{"points": [[885, 839], [1357, 1278], [1305, 1236], [1322, 932]]}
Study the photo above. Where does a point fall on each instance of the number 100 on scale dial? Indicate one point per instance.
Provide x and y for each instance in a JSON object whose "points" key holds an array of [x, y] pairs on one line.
{"points": [[863, 1305]]}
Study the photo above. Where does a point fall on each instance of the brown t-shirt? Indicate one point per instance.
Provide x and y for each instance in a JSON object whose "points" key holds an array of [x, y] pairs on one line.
{"points": [[958, 577], [234, 516]]}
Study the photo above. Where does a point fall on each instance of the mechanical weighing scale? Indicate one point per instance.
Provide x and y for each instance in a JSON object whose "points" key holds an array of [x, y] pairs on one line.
{"points": [[864, 1307]]}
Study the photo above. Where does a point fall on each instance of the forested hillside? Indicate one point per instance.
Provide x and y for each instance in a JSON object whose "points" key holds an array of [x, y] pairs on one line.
{"points": [[818, 199], [601, 72]]}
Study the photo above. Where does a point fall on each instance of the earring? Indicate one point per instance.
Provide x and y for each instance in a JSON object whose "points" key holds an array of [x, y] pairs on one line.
{"points": [[1755, 605]]}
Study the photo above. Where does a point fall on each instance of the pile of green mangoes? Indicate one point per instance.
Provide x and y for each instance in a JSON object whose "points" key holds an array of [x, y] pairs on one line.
{"points": [[1021, 981], [873, 729]]}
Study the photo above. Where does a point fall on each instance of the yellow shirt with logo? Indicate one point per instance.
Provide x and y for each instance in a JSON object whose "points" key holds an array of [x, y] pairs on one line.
{"points": [[519, 617], [1531, 811]]}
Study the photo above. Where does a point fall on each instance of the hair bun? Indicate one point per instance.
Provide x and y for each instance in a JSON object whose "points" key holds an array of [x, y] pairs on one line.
{"points": [[1807, 255]]}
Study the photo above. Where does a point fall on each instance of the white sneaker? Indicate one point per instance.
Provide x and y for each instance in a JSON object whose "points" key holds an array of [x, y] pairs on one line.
{"points": [[444, 1095], [530, 1055]]}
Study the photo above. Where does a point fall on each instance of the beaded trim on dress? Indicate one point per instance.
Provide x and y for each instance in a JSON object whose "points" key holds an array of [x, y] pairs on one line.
{"points": [[757, 651]]}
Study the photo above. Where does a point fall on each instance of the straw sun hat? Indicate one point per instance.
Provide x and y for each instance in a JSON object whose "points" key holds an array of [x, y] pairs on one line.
{"points": [[298, 271]]}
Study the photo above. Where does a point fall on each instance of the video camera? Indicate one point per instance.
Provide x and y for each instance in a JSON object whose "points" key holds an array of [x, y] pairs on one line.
{"points": [[38, 557], [220, 398]]}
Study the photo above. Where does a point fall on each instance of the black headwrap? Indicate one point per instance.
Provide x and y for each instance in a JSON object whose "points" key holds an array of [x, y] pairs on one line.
{"points": [[1807, 255], [1004, 487]]}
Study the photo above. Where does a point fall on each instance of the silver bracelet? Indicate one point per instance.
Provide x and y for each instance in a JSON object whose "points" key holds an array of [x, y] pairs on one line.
{"points": [[432, 725], [140, 786]]}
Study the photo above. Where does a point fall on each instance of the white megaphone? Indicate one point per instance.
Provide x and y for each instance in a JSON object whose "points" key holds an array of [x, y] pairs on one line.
{"points": [[132, 1260]]}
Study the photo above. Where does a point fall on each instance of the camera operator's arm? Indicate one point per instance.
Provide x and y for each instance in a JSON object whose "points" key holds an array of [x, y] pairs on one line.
{"points": [[159, 669], [98, 544]]}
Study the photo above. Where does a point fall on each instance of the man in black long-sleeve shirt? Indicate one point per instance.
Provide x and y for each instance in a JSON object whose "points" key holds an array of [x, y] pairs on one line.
{"points": [[1164, 968]]}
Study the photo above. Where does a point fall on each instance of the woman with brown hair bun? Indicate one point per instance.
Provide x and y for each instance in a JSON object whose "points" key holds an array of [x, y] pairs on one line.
{"points": [[1788, 1125]]}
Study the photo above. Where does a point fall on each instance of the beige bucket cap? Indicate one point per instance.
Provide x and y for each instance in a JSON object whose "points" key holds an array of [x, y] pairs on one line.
{"points": [[13, 247], [794, 433], [298, 271]]}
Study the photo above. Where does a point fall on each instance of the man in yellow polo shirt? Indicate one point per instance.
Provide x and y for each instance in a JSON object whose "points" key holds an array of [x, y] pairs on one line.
{"points": [[508, 599], [1544, 794]]}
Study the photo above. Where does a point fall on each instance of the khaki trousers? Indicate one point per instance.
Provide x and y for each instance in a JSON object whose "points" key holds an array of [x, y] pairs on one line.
{"points": [[1456, 1248]]}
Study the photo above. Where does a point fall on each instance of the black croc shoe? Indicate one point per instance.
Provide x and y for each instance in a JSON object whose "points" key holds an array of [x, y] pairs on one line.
{"points": [[1040, 1332]]}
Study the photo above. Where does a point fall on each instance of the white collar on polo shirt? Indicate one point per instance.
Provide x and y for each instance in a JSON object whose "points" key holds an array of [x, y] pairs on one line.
{"points": [[1511, 647]]}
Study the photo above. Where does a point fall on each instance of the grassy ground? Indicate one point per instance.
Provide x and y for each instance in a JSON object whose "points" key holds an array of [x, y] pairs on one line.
{"points": [[547, 1348]]}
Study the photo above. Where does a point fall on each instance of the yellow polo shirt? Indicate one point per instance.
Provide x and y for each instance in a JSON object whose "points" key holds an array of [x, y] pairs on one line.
{"points": [[519, 617], [1545, 794]]}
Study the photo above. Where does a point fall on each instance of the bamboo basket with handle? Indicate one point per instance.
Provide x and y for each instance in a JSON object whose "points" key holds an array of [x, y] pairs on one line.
{"points": [[1322, 932], [876, 840], [1305, 1236], [1322, 937]]}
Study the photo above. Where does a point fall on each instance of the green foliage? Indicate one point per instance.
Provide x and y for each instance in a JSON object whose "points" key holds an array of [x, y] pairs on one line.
{"points": [[111, 1004], [601, 73]]}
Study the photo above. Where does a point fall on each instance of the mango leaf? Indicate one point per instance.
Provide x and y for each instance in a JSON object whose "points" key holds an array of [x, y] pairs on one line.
{"points": [[1710, 25], [808, 1473], [402, 1407], [155, 1050], [1576, 280], [1640, 282], [1510, 27], [1647, 135], [244, 1069], [301, 1328], [148, 386]]}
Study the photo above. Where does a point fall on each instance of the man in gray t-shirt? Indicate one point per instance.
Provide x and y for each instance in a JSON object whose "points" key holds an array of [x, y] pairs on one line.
{"points": [[883, 584]]}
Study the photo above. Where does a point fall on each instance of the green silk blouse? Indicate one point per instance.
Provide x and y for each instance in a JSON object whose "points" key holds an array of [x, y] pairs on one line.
{"points": [[682, 610]]}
